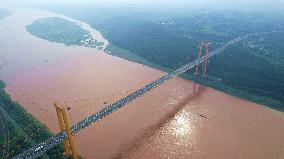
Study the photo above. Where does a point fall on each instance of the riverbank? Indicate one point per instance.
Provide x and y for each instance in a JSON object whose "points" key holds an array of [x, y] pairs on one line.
{"points": [[211, 81], [176, 120], [22, 130]]}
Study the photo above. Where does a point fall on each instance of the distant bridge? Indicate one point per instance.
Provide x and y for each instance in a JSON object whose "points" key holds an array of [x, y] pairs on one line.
{"points": [[41, 148]]}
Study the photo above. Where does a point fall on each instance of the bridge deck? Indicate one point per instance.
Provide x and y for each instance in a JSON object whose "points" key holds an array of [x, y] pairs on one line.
{"points": [[41, 148]]}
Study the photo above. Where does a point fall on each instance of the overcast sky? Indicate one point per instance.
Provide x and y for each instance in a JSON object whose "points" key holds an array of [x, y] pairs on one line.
{"points": [[204, 4]]}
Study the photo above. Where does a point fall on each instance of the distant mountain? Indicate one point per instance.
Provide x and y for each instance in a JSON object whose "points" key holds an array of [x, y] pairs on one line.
{"points": [[4, 13]]}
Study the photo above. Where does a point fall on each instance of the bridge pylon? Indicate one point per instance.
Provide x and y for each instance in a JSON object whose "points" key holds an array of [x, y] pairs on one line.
{"points": [[206, 46], [69, 145]]}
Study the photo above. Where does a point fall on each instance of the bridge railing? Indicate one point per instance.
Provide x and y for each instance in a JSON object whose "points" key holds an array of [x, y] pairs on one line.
{"points": [[41, 148]]}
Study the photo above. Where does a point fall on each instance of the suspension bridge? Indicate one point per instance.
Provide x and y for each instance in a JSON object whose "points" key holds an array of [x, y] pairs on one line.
{"points": [[46, 145]]}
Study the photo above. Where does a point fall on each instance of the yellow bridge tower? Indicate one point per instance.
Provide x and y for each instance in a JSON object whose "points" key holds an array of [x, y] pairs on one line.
{"points": [[64, 125], [206, 46]]}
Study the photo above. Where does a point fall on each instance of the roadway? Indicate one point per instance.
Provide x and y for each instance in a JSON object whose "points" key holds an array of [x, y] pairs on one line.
{"points": [[41, 148]]}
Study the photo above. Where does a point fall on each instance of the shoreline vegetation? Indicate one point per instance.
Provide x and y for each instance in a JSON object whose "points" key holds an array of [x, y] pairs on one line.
{"points": [[250, 70], [15, 118], [59, 30], [38, 132], [209, 82]]}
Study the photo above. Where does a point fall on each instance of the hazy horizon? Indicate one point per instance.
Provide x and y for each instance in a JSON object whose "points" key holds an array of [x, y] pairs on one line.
{"points": [[145, 79], [252, 5]]}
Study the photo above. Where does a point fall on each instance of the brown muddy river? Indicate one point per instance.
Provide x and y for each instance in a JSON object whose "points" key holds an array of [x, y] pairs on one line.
{"points": [[178, 120]]}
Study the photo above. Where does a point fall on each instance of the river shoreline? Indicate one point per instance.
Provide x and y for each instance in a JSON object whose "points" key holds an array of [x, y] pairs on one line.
{"points": [[172, 121]]}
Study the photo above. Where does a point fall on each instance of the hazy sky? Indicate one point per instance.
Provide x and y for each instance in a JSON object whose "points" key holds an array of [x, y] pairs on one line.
{"points": [[205, 4]]}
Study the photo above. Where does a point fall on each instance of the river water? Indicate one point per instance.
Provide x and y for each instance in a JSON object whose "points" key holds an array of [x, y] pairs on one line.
{"points": [[177, 120]]}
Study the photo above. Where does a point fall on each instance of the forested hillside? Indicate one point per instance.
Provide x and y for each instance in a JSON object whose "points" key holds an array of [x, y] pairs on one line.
{"points": [[252, 69], [23, 129]]}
